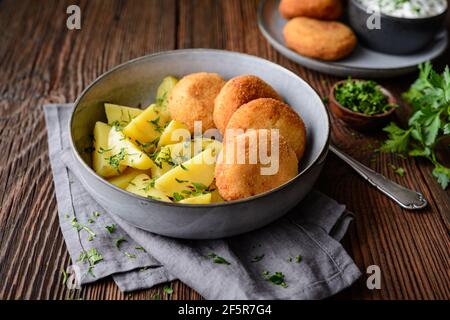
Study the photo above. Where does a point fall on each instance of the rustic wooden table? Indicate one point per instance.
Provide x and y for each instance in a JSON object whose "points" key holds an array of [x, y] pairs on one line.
{"points": [[41, 61]]}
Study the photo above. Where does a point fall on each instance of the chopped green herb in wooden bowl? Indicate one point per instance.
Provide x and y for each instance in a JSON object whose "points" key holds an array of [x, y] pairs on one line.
{"points": [[362, 104]]}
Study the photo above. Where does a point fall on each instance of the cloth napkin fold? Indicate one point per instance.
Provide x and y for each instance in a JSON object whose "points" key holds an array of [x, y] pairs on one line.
{"points": [[297, 257]]}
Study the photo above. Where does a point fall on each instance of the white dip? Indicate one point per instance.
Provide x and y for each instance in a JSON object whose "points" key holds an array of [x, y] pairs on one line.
{"points": [[406, 8]]}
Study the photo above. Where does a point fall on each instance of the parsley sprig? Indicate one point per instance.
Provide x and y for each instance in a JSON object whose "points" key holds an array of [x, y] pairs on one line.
{"points": [[429, 96]]}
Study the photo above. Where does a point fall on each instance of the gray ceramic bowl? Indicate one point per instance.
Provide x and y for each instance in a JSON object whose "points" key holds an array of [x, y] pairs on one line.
{"points": [[397, 35], [134, 84]]}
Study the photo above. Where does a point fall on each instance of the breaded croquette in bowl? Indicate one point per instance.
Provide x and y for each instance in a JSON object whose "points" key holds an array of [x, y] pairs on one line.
{"points": [[238, 180], [236, 92], [319, 9], [325, 40], [266, 113], [192, 99]]}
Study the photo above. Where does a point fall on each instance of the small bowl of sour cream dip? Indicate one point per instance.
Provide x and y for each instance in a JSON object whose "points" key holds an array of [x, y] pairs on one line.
{"points": [[397, 26]]}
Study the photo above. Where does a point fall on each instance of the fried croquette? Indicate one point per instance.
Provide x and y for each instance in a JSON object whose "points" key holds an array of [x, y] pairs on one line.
{"points": [[266, 113], [319, 9], [237, 180], [235, 93], [326, 40], [192, 99]]}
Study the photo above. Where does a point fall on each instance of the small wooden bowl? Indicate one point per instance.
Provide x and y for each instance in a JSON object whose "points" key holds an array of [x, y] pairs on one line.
{"points": [[442, 150], [361, 121]]}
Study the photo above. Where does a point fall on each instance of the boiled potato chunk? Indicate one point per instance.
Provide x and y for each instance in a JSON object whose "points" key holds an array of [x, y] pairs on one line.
{"points": [[186, 150], [175, 132], [143, 186], [198, 170], [125, 152], [174, 154], [128, 175], [121, 115], [102, 152], [170, 156], [201, 199], [164, 90], [146, 128]]}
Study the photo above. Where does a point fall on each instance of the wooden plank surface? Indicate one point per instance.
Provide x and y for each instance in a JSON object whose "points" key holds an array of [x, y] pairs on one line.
{"points": [[43, 62]]}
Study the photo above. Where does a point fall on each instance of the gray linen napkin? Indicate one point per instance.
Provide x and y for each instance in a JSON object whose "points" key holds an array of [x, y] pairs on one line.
{"points": [[310, 233]]}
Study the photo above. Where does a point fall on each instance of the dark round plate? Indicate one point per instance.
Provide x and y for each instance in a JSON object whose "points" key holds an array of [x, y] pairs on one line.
{"points": [[363, 62]]}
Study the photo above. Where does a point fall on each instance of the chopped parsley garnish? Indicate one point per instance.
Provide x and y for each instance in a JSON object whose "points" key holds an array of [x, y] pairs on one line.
{"points": [[111, 228], [153, 143], [258, 258], [155, 123], [162, 100], [163, 156], [115, 160], [75, 224], [149, 185], [183, 167], [218, 259], [196, 189], [177, 196], [91, 233], [297, 259], [143, 145], [140, 248], [92, 257], [102, 150], [95, 215], [199, 186], [130, 255], [78, 226], [363, 97], [118, 125], [181, 181], [130, 117], [398, 170], [168, 290], [119, 241], [65, 277], [276, 278]]}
